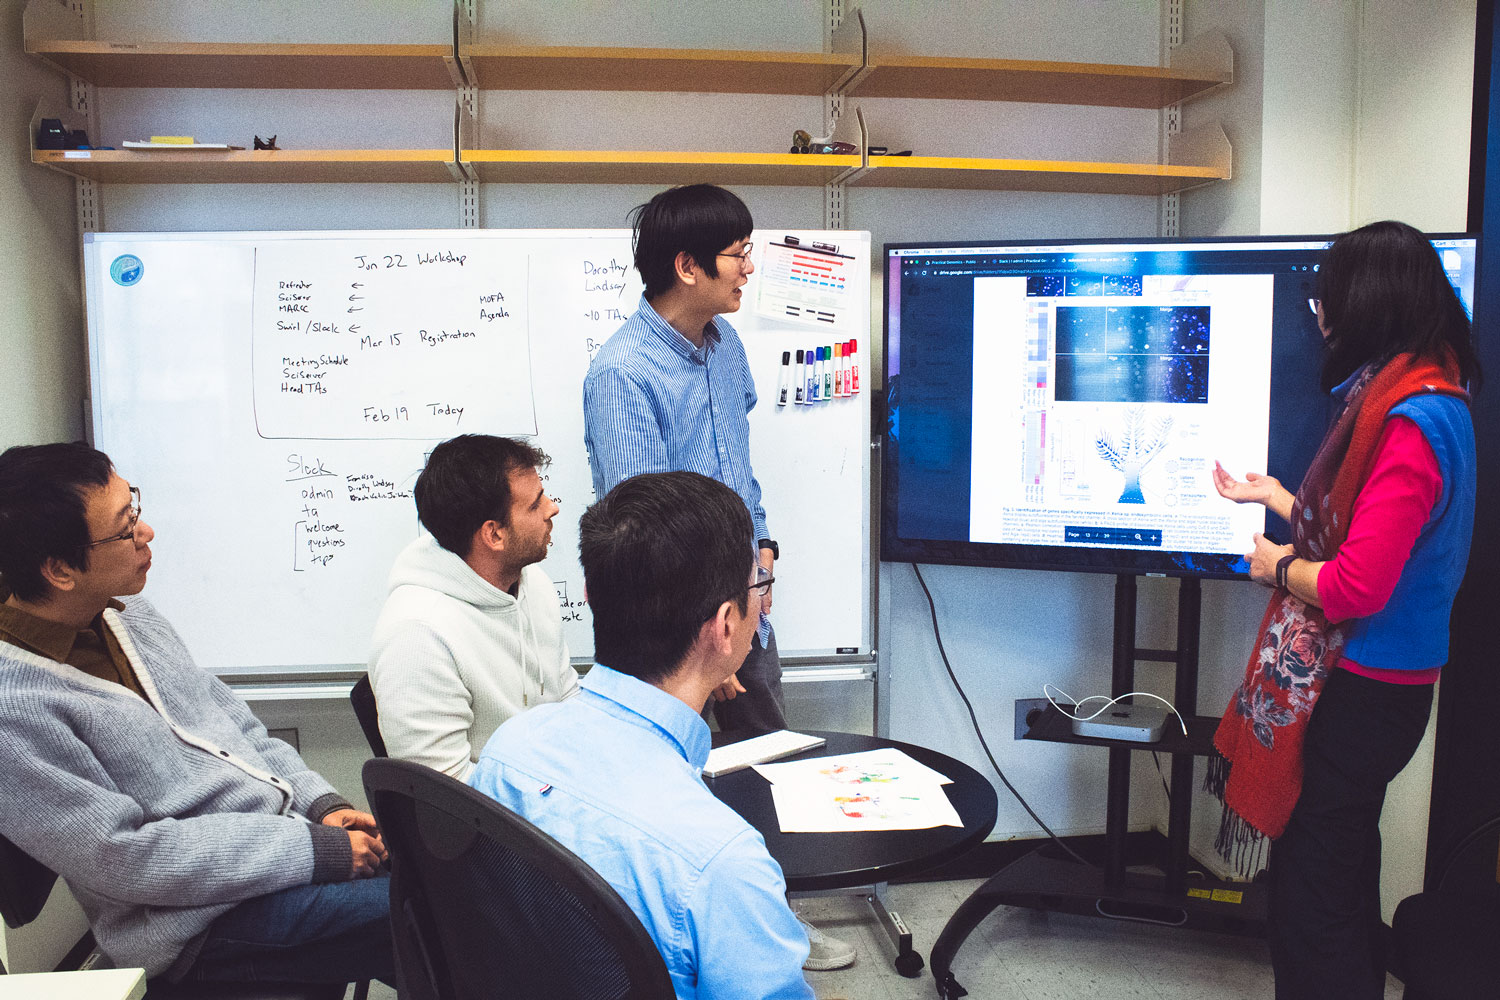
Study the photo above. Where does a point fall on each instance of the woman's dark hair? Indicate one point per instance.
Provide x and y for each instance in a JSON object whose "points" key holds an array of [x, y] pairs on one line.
{"points": [[661, 552], [467, 482], [700, 219], [1385, 293], [43, 514]]}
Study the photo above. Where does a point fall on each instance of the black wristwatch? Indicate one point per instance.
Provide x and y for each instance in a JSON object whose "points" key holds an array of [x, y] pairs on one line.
{"points": [[767, 543]]}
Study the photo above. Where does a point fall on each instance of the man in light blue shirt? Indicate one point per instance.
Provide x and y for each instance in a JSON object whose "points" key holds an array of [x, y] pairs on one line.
{"points": [[615, 774], [672, 389]]}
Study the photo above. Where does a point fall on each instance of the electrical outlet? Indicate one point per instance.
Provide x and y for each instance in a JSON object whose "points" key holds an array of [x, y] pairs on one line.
{"points": [[1028, 710]]}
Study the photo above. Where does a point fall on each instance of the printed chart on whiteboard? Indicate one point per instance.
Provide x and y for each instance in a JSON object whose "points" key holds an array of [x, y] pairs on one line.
{"points": [[806, 282]]}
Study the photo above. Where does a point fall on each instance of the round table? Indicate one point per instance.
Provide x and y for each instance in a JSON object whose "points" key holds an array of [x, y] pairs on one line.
{"points": [[820, 861]]}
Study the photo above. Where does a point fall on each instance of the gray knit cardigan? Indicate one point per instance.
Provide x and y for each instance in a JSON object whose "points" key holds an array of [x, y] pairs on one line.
{"points": [[159, 816]]}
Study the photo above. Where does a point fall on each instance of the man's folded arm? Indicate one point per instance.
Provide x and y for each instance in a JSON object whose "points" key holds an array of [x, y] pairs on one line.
{"points": [[75, 822]]}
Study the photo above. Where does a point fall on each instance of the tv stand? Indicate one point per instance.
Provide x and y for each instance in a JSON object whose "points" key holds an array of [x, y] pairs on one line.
{"points": [[1047, 880]]}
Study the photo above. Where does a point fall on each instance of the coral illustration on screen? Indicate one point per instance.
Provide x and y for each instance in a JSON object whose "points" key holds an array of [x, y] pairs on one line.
{"points": [[1137, 445]]}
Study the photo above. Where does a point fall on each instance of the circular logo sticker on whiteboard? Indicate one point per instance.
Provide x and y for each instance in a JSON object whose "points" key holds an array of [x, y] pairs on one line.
{"points": [[127, 269]]}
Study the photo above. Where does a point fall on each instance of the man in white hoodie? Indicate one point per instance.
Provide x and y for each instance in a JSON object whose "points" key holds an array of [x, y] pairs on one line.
{"points": [[471, 633]]}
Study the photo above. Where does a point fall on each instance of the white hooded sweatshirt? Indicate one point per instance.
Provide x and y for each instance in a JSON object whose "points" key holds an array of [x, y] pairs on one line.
{"points": [[454, 656]]}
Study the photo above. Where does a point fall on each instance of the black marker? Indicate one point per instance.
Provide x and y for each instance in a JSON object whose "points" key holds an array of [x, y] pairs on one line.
{"points": [[800, 379], [786, 377]]}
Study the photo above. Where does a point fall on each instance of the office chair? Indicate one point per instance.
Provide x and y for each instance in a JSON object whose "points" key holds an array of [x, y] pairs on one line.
{"points": [[1445, 937], [25, 884], [484, 904], [362, 697]]}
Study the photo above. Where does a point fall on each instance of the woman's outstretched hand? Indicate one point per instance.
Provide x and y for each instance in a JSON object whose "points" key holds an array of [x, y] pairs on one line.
{"points": [[1256, 488]]}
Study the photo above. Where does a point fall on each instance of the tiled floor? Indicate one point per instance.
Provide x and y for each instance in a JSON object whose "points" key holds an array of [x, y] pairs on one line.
{"points": [[1026, 955]]}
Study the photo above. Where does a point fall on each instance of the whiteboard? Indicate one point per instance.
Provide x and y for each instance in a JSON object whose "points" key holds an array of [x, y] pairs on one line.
{"points": [[274, 395]]}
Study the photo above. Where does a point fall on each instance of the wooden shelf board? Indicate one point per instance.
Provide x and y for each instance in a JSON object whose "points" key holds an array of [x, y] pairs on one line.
{"points": [[510, 67], [255, 166], [540, 166], [1110, 86], [233, 65], [1033, 175]]}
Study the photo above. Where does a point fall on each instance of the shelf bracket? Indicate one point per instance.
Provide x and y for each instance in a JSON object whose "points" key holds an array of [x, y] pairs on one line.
{"points": [[1169, 210], [465, 114]]}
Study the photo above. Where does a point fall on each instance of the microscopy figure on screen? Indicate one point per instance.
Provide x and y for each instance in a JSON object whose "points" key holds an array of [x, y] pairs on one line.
{"points": [[1138, 443]]}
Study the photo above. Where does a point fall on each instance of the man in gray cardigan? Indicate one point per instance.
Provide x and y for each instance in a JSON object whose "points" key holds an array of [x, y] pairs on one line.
{"points": [[199, 847]]}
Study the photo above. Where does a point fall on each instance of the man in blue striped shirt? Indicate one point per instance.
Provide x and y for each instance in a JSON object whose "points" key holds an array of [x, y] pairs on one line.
{"points": [[672, 390]]}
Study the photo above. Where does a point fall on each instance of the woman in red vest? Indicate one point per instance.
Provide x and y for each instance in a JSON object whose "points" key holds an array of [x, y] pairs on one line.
{"points": [[1338, 690]]}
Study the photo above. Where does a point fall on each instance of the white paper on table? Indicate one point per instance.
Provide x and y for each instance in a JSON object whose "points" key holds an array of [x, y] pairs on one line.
{"points": [[829, 807], [868, 767]]}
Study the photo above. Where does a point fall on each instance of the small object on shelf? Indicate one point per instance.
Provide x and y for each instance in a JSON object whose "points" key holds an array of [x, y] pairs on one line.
{"points": [[803, 142], [174, 140], [208, 147], [266, 143], [885, 151], [50, 134], [78, 139]]}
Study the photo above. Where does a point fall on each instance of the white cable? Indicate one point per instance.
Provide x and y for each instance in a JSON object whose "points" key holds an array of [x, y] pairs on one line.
{"points": [[1108, 703]]}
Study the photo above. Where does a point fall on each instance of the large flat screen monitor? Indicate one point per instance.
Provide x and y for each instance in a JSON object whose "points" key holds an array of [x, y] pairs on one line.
{"points": [[1061, 405]]}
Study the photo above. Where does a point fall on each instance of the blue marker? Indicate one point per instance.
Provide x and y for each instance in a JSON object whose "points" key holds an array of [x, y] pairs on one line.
{"points": [[815, 381]]}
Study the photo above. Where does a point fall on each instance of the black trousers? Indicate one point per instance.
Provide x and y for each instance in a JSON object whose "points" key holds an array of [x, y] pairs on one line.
{"points": [[1325, 869], [761, 709]]}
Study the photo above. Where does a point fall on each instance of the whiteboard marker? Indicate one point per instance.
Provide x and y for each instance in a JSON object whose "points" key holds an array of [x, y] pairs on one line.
{"points": [[815, 376], [801, 380], [853, 367], [838, 369], [786, 376], [828, 372]]}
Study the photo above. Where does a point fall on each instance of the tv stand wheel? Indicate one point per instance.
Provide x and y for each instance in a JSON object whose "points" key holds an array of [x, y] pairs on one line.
{"points": [[909, 964]]}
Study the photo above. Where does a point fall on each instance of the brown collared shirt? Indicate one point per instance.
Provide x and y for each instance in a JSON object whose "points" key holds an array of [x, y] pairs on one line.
{"points": [[93, 649]]}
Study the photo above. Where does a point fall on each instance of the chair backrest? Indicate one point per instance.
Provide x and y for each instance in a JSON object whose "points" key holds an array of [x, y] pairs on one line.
{"points": [[25, 884], [485, 904], [362, 697]]}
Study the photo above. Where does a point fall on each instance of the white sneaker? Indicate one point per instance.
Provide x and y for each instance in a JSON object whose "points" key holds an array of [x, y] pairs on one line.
{"points": [[825, 952]]}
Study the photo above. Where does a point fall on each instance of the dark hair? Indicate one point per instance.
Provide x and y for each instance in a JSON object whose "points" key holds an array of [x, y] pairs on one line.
{"points": [[660, 553], [1385, 293], [467, 482], [701, 219], [43, 513]]}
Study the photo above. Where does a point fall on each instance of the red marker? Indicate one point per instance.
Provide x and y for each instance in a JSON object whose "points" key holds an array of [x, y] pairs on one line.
{"points": [[852, 353]]}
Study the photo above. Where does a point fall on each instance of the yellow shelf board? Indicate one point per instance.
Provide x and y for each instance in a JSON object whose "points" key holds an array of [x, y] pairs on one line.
{"points": [[340, 166], [1096, 84], [236, 65], [542, 166], [513, 67], [1074, 176]]}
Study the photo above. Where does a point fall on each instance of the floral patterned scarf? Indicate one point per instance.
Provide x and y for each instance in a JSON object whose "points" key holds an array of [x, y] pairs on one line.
{"points": [[1259, 776]]}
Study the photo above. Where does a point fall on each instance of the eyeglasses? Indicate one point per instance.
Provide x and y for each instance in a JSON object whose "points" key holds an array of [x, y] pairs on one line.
{"points": [[762, 588], [743, 256], [1314, 305], [135, 516]]}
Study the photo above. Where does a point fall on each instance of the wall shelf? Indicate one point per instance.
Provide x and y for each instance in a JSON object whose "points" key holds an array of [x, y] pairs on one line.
{"points": [[1079, 177], [541, 166], [254, 166], [715, 71], [1206, 66], [233, 65]]}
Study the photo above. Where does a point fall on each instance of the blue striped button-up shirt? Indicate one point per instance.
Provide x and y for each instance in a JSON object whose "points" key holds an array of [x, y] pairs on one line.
{"points": [[652, 402], [615, 776]]}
